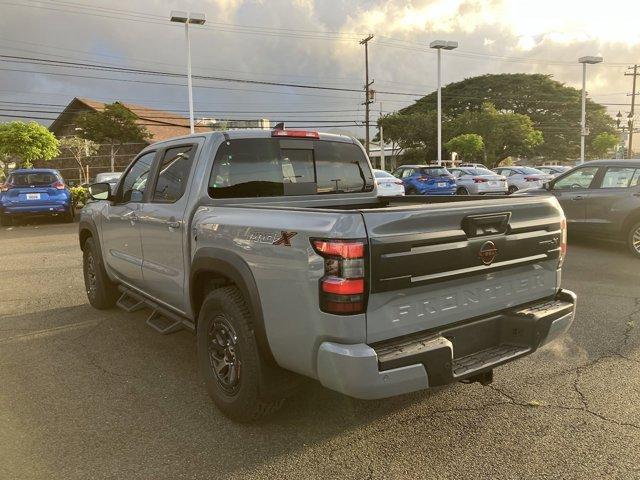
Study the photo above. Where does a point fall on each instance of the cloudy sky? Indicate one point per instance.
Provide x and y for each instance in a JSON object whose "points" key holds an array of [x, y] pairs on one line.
{"points": [[303, 42]]}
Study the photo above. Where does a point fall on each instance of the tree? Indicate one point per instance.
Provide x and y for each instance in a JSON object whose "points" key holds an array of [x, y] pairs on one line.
{"points": [[505, 134], [25, 142], [80, 149], [468, 146], [414, 134], [115, 125], [603, 143], [553, 108]]}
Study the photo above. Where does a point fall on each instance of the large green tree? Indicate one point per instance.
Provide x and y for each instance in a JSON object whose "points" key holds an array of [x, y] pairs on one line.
{"points": [[23, 143], [467, 145], [504, 134], [553, 107], [115, 125], [602, 144]]}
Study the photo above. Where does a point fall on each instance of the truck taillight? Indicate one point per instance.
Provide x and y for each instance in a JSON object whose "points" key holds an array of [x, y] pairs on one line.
{"points": [[343, 286], [563, 241]]}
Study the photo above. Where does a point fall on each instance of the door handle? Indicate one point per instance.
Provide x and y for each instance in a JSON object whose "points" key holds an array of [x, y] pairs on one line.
{"points": [[173, 224], [579, 197]]}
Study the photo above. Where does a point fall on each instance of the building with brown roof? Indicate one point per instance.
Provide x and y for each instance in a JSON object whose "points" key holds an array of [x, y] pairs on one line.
{"points": [[160, 124]]}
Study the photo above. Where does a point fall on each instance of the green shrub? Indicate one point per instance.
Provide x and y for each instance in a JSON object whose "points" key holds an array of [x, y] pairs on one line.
{"points": [[79, 194]]}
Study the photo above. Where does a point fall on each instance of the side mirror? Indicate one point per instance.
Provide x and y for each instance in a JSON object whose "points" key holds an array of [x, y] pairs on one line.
{"points": [[100, 191], [547, 185]]}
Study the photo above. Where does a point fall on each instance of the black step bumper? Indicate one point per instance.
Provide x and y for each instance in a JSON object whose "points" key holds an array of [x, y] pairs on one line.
{"points": [[471, 348]]}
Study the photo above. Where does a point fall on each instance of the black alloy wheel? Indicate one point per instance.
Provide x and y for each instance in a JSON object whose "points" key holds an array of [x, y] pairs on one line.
{"points": [[224, 355]]}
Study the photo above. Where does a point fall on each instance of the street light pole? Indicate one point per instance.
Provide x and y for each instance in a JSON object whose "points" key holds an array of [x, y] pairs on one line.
{"points": [[187, 18], [583, 119], [189, 80], [441, 45]]}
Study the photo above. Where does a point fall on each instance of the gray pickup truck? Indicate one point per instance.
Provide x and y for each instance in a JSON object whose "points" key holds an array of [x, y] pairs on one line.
{"points": [[274, 247]]}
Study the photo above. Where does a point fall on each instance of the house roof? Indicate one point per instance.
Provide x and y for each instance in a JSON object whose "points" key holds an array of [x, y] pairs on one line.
{"points": [[162, 125]]}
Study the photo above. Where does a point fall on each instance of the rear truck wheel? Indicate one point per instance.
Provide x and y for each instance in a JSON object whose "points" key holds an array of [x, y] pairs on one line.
{"points": [[230, 362], [633, 239], [462, 191], [512, 189], [101, 292], [5, 220]]}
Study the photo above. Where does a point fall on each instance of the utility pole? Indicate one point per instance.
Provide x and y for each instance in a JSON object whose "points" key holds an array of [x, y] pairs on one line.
{"points": [[382, 166], [633, 105], [367, 99]]}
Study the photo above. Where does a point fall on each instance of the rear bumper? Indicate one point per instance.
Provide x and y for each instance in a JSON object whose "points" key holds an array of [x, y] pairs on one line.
{"points": [[21, 209], [455, 353]]}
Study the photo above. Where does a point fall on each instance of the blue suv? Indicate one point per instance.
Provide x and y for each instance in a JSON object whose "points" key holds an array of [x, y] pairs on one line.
{"points": [[35, 191], [426, 180]]}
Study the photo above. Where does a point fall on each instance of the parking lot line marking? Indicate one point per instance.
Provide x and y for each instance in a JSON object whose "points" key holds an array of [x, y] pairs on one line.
{"points": [[50, 331]]}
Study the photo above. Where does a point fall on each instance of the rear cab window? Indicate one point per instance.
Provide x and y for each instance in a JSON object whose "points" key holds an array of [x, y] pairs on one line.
{"points": [[269, 167]]}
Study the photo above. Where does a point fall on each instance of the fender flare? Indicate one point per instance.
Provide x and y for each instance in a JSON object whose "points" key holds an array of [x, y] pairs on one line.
{"points": [[230, 265], [87, 226]]}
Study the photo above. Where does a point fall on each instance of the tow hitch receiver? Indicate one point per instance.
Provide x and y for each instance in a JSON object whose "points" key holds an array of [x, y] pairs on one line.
{"points": [[484, 378]]}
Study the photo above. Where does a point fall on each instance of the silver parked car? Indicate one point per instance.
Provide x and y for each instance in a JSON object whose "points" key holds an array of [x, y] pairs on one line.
{"points": [[109, 177], [388, 185], [520, 178], [478, 181], [553, 170]]}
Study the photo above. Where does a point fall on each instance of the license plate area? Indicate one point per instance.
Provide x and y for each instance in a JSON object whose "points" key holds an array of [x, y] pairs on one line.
{"points": [[33, 196]]}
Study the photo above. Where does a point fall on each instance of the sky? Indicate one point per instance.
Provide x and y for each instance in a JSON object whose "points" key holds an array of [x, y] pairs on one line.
{"points": [[302, 42]]}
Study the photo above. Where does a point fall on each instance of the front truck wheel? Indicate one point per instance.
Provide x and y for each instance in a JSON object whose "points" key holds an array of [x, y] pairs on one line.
{"points": [[633, 239], [230, 362], [101, 291]]}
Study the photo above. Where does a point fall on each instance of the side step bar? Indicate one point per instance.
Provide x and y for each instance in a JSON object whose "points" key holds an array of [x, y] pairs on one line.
{"points": [[161, 319]]}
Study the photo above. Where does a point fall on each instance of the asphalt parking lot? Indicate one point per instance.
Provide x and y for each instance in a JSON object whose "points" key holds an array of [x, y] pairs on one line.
{"points": [[98, 394]]}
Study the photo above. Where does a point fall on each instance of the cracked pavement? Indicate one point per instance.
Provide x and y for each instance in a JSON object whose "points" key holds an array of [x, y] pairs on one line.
{"points": [[88, 394]]}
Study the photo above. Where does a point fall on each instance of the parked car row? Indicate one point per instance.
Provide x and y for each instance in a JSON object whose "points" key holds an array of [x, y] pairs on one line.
{"points": [[465, 179]]}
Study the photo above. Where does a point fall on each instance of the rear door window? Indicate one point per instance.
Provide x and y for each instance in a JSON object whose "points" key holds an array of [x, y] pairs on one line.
{"points": [[619, 177], [265, 167]]}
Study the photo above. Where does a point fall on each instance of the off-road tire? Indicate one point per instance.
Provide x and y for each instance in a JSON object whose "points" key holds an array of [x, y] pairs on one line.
{"points": [[633, 239], [101, 292], [5, 220], [247, 402]]}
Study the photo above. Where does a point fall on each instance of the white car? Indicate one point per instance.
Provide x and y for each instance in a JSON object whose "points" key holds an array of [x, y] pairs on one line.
{"points": [[388, 185], [478, 181], [553, 170], [520, 178]]}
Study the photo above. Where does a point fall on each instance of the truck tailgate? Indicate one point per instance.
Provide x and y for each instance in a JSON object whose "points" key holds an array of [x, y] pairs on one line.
{"points": [[437, 264]]}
